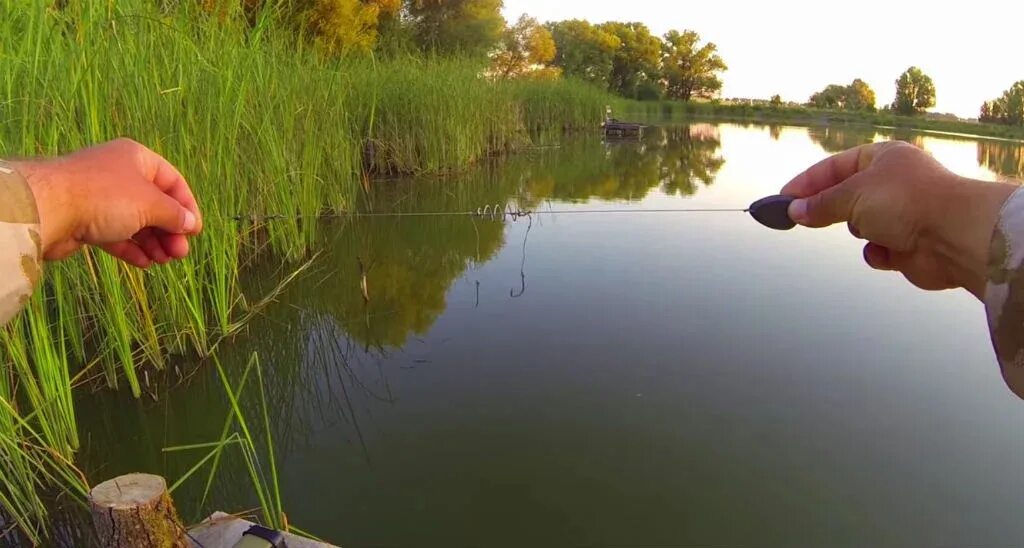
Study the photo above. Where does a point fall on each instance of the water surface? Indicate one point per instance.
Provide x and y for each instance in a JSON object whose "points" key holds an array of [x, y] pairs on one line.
{"points": [[613, 379]]}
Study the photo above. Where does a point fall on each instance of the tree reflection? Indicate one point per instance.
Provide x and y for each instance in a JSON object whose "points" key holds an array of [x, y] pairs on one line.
{"points": [[909, 136], [691, 158], [1003, 158], [835, 139], [678, 160], [408, 264]]}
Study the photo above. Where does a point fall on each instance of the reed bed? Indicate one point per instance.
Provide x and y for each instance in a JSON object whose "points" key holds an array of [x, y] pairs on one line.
{"points": [[261, 124]]}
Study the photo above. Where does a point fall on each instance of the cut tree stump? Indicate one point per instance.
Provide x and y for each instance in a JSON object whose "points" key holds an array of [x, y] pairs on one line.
{"points": [[135, 510]]}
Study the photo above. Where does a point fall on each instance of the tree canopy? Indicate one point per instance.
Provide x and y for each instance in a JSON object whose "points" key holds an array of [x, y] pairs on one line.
{"points": [[456, 26], [858, 95], [637, 58], [343, 26], [915, 92], [1007, 109], [524, 46], [583, 50], [690, 69]]}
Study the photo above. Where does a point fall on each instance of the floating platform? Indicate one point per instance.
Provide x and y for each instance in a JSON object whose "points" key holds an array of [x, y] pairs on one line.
{"points": [[615, 128]]}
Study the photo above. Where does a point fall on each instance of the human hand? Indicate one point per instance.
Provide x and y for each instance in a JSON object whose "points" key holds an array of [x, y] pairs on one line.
{"points": [[119, 196], [919, 218]]}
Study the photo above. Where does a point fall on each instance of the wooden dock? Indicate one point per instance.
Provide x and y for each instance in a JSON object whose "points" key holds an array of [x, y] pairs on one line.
{"points": [[615, 128]]}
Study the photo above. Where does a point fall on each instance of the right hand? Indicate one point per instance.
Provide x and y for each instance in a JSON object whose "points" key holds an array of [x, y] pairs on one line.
{"points": [[918, 217]]}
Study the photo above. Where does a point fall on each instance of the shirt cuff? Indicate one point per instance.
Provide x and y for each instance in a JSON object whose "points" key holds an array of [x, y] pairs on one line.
{"points": [[1004, 292], [20, 245]]}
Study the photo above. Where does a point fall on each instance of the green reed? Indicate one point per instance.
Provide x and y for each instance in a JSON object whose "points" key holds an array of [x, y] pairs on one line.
{"points": [[266, 488], [261, 124]]}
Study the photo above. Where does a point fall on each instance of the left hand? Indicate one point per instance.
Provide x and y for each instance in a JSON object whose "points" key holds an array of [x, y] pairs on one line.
{"points": [[119, 196]]}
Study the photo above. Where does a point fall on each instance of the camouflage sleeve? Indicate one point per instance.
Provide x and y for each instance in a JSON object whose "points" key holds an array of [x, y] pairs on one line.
{"points": [[20, 252], [1004, 293]]}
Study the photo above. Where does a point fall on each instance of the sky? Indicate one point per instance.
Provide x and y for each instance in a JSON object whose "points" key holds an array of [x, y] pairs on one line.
{"points": [[972, 50]]}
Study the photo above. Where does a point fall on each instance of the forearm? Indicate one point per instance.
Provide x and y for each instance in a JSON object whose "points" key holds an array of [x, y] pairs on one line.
{"points": [[20, 242]]}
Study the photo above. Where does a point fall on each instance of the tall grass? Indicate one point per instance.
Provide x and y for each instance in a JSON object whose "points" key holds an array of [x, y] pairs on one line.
{"points": [[261, 124]]}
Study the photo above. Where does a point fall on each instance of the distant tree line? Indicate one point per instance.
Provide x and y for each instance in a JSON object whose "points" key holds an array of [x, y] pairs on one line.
{"points": [[915, 93], [1007, 109], [624, 58], [627, 59]]}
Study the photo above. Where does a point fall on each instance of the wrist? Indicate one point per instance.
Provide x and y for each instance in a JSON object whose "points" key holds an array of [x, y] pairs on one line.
{"points": [[54, 202], [963, 228]]}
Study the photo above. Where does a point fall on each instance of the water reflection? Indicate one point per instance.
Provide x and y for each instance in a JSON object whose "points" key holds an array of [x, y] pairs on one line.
{"points": [[678, 160], [381, 283], [632, 395], [837, 139], [406, 265], [1003, 158]]}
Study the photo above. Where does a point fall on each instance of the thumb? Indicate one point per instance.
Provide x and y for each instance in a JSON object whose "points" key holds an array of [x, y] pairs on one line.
{"points": [[830, 206], [167, 214]]}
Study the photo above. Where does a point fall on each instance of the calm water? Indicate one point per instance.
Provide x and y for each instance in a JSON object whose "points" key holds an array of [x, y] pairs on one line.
{"points": [[658, 379]]}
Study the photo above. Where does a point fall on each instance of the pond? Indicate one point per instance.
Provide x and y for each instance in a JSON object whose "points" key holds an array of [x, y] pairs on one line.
{"points": [[609, 379]]}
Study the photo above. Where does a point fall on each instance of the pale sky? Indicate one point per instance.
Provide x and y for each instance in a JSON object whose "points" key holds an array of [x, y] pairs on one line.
{"points": [[972, 50]]}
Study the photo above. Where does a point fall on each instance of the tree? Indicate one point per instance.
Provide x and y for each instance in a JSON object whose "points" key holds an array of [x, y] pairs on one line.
{"points": [[915, 92], [343, 26], [1013, 104], [690, 70], [584, 51], [1009, 108], [524, 46], [456, 26], [635, 60], [776, 100], [833, 97], [986, 113], [860, 96], [856, 96]]}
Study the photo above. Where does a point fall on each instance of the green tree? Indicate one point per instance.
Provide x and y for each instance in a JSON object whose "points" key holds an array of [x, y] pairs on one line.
{"points": [[776, 100], [690, 69], [344, 26], [1007, 109], [524, 46], [856, 96], [986, 115], [637, 58], [456, 26], [860, 96], [915, 92], [584, 51], [833, 97]]}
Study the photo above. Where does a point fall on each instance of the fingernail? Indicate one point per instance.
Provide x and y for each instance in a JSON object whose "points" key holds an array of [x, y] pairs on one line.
{"points": [[190, 222], [798, 210]]}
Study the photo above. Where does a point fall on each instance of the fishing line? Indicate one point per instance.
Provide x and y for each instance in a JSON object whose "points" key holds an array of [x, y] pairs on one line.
{"points": [[482, 214], [771, 211]]}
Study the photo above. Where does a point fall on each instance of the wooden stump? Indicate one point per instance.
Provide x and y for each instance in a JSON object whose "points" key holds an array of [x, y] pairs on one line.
{"points": [[135, 510]]}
